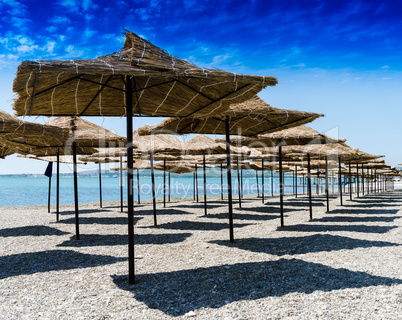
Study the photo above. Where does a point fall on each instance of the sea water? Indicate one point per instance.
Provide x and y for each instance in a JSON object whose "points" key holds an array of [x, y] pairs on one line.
{"points": [[28, 190]]}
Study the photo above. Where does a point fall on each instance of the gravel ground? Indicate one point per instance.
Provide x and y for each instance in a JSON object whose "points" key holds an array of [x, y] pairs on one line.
{"points": [[344, 264]]}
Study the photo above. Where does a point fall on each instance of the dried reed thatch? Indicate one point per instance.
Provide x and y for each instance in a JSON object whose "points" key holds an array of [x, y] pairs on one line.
{"points": [[300, 135], [62, 159], [138, 164], [33, 138], [248, 118], [175, 167], [158, 144], [163, 84], [332, 150], [88, 134], [6, 151]]}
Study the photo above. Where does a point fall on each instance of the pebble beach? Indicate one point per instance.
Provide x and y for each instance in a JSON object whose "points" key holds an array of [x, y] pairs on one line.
{"points": [[343, 264]]}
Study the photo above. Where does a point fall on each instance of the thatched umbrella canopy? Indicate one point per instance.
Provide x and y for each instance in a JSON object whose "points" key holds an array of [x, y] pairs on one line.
{"points": [[33, 138], [6, 151], [158, 144], [164, 85], [138, 164], [62, 159], [140, 79], [342, 150], [88, 134], [248, 118], [175, 167], [300, 135]]}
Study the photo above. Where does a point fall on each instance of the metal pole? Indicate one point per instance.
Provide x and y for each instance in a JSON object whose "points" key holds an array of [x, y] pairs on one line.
{"points": [[229, 177], [100, 184], [281, 183], [357, 177], [326, 182], [169, 184], [196, 182], [48, 197], [262, 180], [241, 182], [340, 180], [77, 224], [238, 182], [258, 187], [164, 183], [58, 185], [153, 188], [309, 191], [130, 196], [205, 183], [221, 181], [272, 182], [350, 181], [296, 180], [138, 187], [121, 183]]}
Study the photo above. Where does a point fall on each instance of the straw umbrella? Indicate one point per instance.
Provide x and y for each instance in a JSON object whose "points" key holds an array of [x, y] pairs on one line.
{"points": [[140, 79], [248, 118]]}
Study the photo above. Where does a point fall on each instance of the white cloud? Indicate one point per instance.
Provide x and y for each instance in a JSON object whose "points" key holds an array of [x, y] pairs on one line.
{"points": [[73, 52], [385, 67], [51, 29], [89, 33], [60, 20]]}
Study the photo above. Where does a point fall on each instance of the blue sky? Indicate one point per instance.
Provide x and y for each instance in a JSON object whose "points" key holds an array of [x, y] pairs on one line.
{"points": [[340, 58]]}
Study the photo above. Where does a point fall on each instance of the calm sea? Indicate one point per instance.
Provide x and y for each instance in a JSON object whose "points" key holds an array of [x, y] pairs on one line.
{"points": [[25, 191]]}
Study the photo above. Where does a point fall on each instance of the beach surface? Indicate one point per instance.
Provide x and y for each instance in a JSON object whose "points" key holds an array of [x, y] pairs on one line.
{"points": [[344, 264]]}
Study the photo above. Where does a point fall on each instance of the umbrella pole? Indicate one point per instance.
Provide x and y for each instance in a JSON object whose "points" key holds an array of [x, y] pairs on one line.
{"points": [[221, 181], [57, 184], [357, 186], [100, 185], [272, 182], [48, 196], [194, 185], [262, 180], [153, 188], [258, 187], [363, 179], [121, 183], [229, 178], [130, 196], [164, 183], [241, 182], [196, 182], [318, 181], [281, 183], [238, 182], [138, 186], [205, 183], [296, 180], [304, 183], [340, 180], [326, 182], [169, 184], [77, 224], [310, 201], [350, 181]]}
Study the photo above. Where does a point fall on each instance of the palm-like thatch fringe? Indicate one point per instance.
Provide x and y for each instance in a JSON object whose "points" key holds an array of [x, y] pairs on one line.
{"points": [[6, 151], [164, 85]]}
